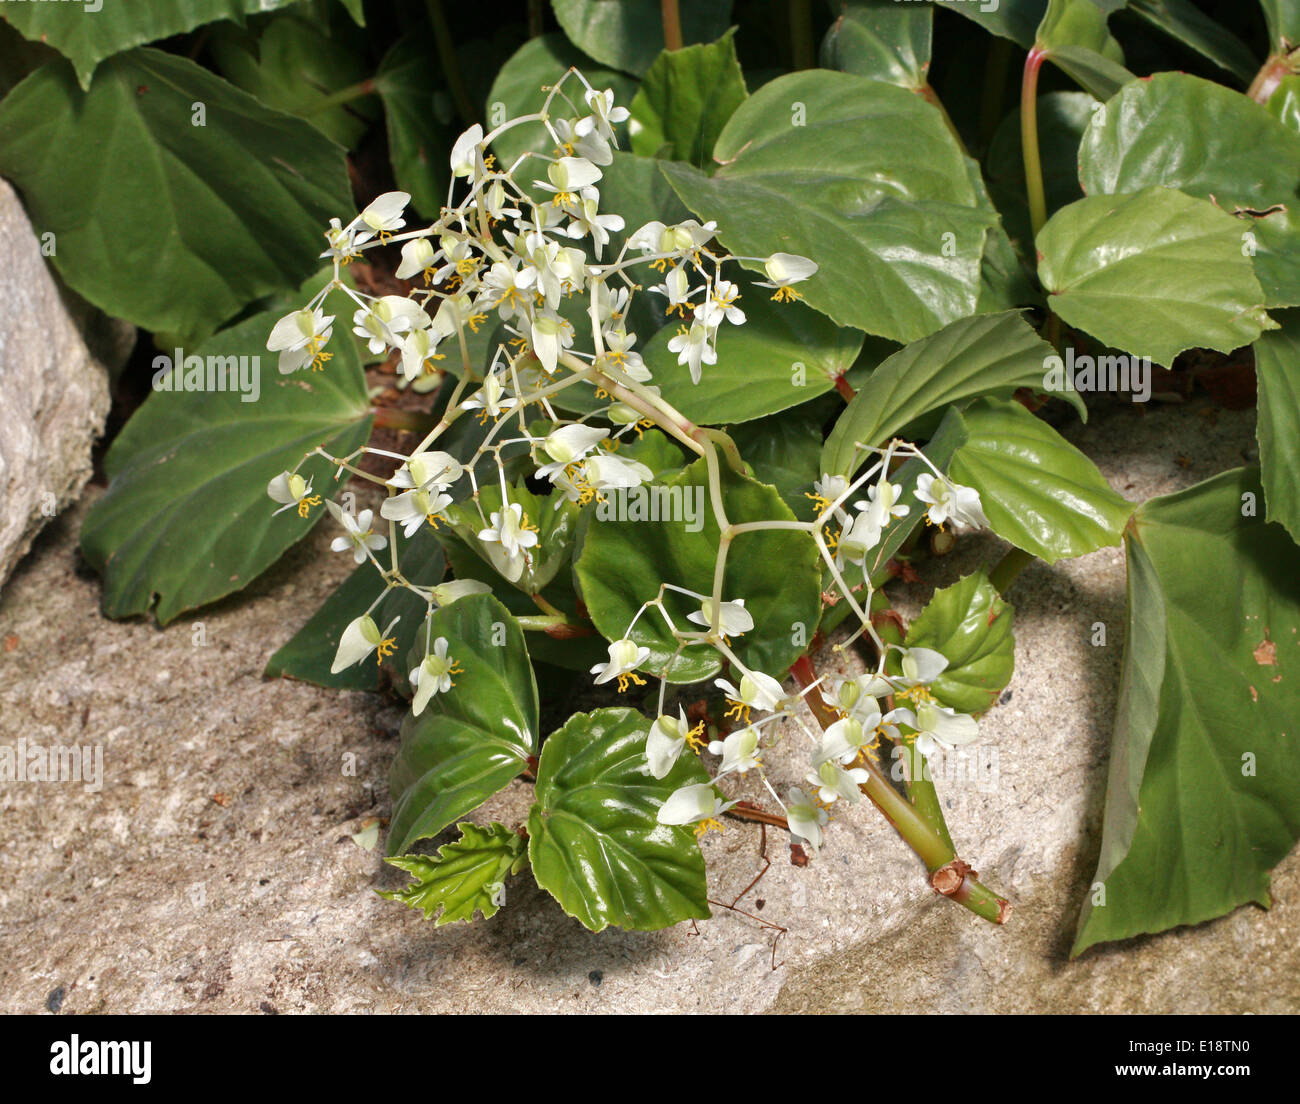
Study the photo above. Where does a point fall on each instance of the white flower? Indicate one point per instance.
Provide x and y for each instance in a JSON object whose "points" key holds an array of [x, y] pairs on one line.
{"points": [[859, 537], [691, 804], [495, 199], [491, 397], [694, 349], [937, 726], [568, 444], [676, 287], [359, 639], [360, 536], [806, 818], [382, 216], [607, 472], [624, 656], [550, 334], [418, 256], [784, 269], [433, 676], [465, 152], [618, 348], [721, 304], [757, 690], [739, 751], [587, 219], [844, 739], [950, 500], [920, 666], [507, 529], [413, 508], [829, 488], [454, 589], [299, 336], [836, 782], [591, 145], [385, 319], [881, 502], [291, 489], [427, 470], [604, 115], [418, 349], [567, 177], [857, 696], [664, 745], [734, 619]]}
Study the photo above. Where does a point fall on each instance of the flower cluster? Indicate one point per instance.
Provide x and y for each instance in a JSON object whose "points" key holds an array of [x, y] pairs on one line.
{"points": [[528, 251]]}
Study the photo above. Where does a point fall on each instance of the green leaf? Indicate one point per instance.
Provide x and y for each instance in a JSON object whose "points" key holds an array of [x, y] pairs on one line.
{"points": [[864, 178], [1277, 369], [970, 624], [1014, 19], [785, 451], [685, 99], [1283, 18], [1275, 238], [1204, 790], [186, 519], [987, 354], [593, 838], [623, 562], [1152, 273], [417, 112], [1179, 131], [464, 876], [290, 64], [520, 89], [784, 355], [309, 654], [1062, 119], [1182, 20], [88, 35], [471, 740], [218, 214], [629, 34], [882, 40], [1038, 491], [556, 521]]}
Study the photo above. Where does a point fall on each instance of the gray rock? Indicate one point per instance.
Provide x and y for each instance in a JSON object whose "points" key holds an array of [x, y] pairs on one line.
{"points": [[55, 390], [216, 870]]}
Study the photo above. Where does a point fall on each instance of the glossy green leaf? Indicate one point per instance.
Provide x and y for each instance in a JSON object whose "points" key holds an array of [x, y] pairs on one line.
{"points": [[87, 34], [471, 740], [971, 625], [464, 877], [186, 519], [1204, 789], [784, 355], [1277, 370], [1038, 491], [593, 838], [246, 195], [864, 178], [1284, 103], [1189, 25], [1073, 35], [882, 40], [987, 354], [1178, 131], [1152, 273], [1014, 19], [554, 517], [418, 116], [785, 450], [629, 34], [1275, 240], [624, 560], [685, 99], [309, 654], [1283, 18]]}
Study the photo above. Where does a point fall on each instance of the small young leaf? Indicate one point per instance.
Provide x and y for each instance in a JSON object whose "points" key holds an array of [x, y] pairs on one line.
{"points": [[466, 876]]}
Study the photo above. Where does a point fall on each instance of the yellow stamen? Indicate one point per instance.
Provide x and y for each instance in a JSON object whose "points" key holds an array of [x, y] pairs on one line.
{"points": [[387, 647], [708, 824], [739, 710], [631, 676], [695, 739], [305, 504], [786, 295]]}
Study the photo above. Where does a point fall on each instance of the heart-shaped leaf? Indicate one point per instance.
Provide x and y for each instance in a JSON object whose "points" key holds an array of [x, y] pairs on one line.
{"points": [[881, 40], [593, 838], [472, 739], [1152, 273]]}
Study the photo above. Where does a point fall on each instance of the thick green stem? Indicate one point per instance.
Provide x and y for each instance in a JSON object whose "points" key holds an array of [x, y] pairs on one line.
{"points": [[949, 876], [1029, 140], [1270, 76], [1008, 568]]}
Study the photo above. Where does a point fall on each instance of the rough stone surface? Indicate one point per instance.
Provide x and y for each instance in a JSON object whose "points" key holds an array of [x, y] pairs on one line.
{"points": [[215, 871], [53, 389]]}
